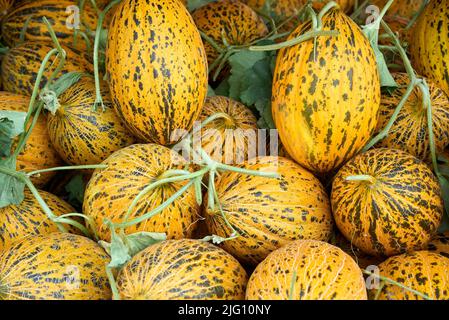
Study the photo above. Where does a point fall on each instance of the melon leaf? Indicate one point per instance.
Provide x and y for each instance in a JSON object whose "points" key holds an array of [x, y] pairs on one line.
{"points": [[75, 189], [123, 247], [12, 123], [250, 82], [11, 188]]}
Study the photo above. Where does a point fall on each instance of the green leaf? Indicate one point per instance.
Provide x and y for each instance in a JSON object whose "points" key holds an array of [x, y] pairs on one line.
{"points": [[11, 188], [138, 241], [12, 123], [117, 249], [123, 247], [371, 31], [75, 189], [195, 4], [250, 82]]}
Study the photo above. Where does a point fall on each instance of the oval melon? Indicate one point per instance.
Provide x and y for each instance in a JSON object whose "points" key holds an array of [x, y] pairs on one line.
{"points": [[84, 136], [182, 270], [269, 212], [307, 270], [157, 68], [326, 95], [397, 208], [111, 191], [57, 266]]}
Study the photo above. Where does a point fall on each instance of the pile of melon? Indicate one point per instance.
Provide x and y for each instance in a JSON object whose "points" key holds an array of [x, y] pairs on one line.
{"points": [[130, 150]]}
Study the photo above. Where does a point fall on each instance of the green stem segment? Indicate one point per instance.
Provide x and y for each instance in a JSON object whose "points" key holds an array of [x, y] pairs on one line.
{"points": [[101, 17], [82, 167]]}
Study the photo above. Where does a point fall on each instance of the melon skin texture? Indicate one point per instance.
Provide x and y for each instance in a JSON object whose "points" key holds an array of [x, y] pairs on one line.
{"points": [[21, 64], [182, 270], [229, 140], [440, 244], [28, 218], [323, 272], [111, 191], [430, 41], [326, 95], [423, 271], [398, 210], [269, 212], [157, 68], [58, 266], [82, 135], [410, 130]]}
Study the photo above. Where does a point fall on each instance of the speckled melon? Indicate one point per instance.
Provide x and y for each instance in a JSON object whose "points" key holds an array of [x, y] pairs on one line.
{"points": [[58, 15], [269, 212], [21, 64], [326, 95], [182, 270], [410, 130], [232, 20], [28, 218], [423, 271], [233, 139], [430, 42], [440, 244], [396, 208], [58, 266], [157, 68], [307, 270], [38, 152], [82, 135], [111, 191]]}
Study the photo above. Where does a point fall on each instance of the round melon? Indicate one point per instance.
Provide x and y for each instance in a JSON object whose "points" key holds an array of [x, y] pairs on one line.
{"points": [[423, 271], [80, 134], [57, 266], [430, 42], [269, 212], [111, 191], [394, 208], [440, 244], [28, 218], [157, 68], [21, 64], [230, 21], [232, 139], [326, 95], [38, 152], [410, 130], [307, 270], [182, 270]]}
